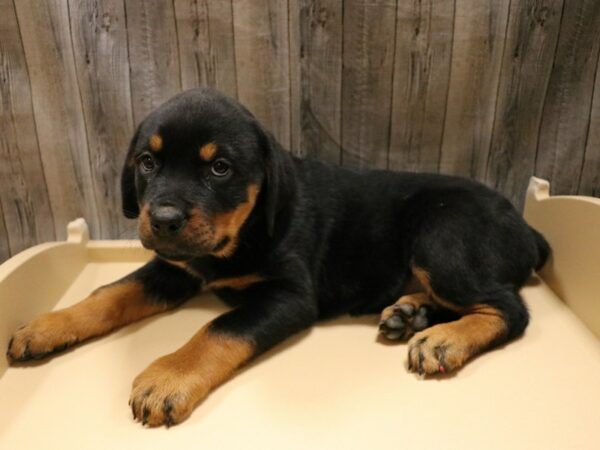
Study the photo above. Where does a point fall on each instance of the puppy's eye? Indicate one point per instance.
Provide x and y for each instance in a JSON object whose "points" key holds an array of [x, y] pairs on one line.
{"points": [[146, 163], [220, 168]]}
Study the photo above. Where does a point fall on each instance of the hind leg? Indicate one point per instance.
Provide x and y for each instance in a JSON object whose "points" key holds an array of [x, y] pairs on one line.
{"points": [[499, 316], [472, 252]]}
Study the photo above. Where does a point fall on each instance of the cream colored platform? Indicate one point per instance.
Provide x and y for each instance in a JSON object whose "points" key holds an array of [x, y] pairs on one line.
{"points": [[334, 387]]}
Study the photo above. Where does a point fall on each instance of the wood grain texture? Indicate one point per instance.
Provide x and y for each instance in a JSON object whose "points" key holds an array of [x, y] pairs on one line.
{"points": [[421, 77], [262, 62], [206, 46], [296, 52], [477, 50], [565, 120], [526, 67], [4, 245], [100, 47], [589, 183], [368, 62], [153, 54], [319, 26], [58, 113], [27, 217]]}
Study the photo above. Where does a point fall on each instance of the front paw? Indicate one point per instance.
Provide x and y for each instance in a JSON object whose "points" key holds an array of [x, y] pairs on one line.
{"points": [[166, 392], [48, 334]]}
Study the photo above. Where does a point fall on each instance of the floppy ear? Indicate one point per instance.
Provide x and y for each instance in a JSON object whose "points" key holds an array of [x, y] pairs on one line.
{"points": [[128, 191], [280, 181]]}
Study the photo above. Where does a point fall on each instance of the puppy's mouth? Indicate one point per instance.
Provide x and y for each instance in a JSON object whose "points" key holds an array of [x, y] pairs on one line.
{"points": [[187, 255], [172, 256]]}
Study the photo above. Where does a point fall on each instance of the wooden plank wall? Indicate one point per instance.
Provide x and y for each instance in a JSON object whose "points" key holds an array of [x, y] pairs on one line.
{"points": [[496, 90]]}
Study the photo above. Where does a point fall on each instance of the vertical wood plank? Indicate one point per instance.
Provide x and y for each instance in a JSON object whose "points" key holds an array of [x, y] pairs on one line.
{"points": [[566, 114], [477, 50], [206, 46], [368, 62], [26, 214], [421, 77], [589, 183], [58, 112], [100, 48], [153, 54], [4, 246], [262, 62], [319, 58], [527, 63], [296, 10]]}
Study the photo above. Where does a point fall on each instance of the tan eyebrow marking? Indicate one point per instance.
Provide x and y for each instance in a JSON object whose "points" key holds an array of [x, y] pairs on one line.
{"points": [[208, 151], [155, 142]]}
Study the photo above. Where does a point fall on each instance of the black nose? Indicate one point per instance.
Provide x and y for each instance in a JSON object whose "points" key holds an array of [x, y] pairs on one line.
{"points": [[166, 220]]}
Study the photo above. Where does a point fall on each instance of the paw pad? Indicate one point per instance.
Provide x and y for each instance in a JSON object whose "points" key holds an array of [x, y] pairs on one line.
{"points": [[404, 321]]}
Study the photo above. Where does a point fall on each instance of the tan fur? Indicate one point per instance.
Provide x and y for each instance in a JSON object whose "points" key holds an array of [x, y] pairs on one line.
{"points": [[169, 389], [185, 266], [200, 233], [208, 151], [413, 286], [181, 264], [423, 276], [447, 346], [155, 143], [104, 310], [228, 224], [237, 283], [198, 228], [144, 226]]}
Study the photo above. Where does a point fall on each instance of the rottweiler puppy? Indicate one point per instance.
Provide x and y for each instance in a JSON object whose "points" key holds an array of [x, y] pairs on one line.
{"points": [[287, 242]]}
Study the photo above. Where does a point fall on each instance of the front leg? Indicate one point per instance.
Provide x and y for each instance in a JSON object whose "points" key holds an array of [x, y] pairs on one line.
{"points": [[154, 288], [169, 389]]}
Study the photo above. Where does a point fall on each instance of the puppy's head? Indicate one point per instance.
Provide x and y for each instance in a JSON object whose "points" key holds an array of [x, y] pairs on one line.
{"points": [[197, 169]]}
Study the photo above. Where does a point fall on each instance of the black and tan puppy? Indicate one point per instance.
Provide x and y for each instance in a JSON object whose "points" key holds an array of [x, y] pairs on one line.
{"points": [[288, 242]]}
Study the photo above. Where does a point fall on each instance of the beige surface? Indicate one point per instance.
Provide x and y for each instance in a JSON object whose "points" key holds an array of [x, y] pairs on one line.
{"points": [[572, 225], [332, 387]]}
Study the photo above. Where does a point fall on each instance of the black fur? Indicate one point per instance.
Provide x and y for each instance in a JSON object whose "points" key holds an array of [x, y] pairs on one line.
{"points": [[163, 282], [128, 193], [326, 240]]}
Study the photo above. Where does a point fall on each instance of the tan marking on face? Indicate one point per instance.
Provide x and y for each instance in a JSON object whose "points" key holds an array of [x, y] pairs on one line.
{"points": [[155, 143], [423, 276], [446, 347], [228, 224], [105, 309], [169, 389], [208, 151], [199, 232], [197, 223], [144, 227], [237, 283]]}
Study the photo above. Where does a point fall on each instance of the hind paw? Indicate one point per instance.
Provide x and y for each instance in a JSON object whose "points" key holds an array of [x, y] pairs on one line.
{"points": [[411, 313]]}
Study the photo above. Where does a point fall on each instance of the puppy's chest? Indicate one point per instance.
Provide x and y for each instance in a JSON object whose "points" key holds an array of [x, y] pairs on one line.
{"points": [[217, 277]]}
